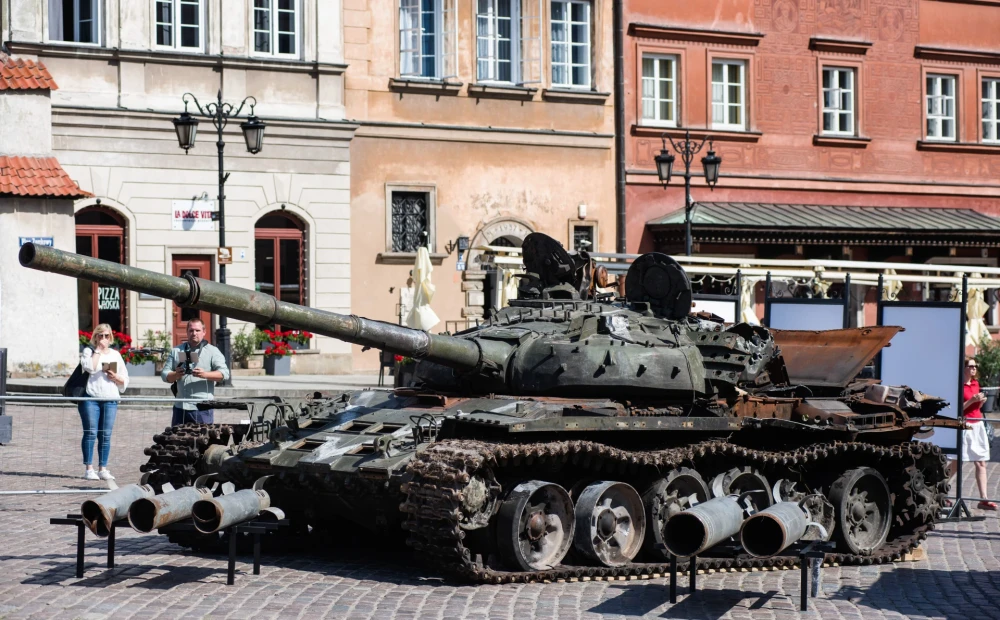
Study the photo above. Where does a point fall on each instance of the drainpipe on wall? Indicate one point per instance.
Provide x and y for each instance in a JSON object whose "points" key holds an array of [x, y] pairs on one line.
{"points": [[619, 103]]}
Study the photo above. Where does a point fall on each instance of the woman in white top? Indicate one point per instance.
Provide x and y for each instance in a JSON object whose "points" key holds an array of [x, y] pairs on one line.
{"points": [[108, 380]]}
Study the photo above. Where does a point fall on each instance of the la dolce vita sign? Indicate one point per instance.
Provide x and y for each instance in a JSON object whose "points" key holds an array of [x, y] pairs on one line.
{"points": [[193, 215]]}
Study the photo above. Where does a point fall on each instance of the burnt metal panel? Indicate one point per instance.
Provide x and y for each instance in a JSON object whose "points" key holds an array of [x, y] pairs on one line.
{"points": [[830, 358]]}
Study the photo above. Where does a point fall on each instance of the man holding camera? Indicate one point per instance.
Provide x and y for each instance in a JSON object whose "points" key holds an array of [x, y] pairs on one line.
{"points": [[194, 368]]}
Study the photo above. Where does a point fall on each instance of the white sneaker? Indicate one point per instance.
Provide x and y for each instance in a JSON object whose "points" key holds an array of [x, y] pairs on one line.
{"points": [[105, 475], [90, 475]]}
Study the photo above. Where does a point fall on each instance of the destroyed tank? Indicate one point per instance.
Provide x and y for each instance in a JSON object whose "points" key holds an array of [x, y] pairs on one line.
{"points": [[574, 433]]}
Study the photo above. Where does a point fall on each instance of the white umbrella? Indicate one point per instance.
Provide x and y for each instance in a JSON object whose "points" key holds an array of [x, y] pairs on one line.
{"points": [[422, 316]]}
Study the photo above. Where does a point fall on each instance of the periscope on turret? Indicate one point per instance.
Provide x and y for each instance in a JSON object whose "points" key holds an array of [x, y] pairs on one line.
{"points": [[561, 437]]}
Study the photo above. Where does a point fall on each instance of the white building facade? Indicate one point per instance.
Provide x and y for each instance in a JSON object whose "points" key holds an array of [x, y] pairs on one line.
{"points": [[122, 68]]}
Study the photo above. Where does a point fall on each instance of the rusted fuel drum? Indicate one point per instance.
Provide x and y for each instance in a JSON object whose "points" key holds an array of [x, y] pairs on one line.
{"points": [[212, 515], [98, 514], [703, 526], [150, 513], [771, 530]]}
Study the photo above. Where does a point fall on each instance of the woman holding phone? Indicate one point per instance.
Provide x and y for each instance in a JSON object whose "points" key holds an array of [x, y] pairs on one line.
{"points": [[107, 381]]}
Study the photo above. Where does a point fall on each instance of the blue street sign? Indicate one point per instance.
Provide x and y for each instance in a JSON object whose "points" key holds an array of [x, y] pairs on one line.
{"points": [[36, 240]]}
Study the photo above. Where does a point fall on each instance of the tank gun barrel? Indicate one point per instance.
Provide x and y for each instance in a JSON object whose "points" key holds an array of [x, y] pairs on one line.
{"points": [[261, 308]]}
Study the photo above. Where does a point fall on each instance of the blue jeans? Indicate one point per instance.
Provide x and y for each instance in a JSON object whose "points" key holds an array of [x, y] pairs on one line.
{"points": [[98, 417], [192, 416]]}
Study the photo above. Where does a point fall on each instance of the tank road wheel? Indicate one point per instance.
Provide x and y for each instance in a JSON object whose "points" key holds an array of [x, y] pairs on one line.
{"points": [[610, 523], [737, 481], [535, 526], [680, 490], [864, 510]]}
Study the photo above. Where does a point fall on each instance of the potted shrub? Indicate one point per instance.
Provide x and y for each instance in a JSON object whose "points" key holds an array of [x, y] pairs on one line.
{"points": [[245, 345], [141, 362], [84, 339], [277, 356], [988, 360], [159, 343]]}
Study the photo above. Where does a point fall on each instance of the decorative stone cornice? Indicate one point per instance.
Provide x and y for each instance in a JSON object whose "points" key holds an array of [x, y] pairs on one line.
{"points": [[701, 35], [841, 46]]}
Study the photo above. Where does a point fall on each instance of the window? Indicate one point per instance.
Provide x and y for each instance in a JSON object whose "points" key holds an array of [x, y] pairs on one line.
{"points": [[583, 236], [428, 44], [941, 107], [571, 44], [728, 94], [659, 90], [496, 30], [838, 101], [991, 109], [76, 21], [179, 24], [276, 27], [410, 219]]}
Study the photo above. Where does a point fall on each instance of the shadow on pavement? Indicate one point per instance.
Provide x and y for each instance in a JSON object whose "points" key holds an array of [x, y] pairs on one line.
{"points": [[916, 593], [709, 604]]}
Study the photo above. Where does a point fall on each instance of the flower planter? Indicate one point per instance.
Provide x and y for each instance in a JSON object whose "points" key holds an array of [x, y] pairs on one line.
{"points": [[295, 346], [278, 366], [255, 361], [404, 375], [146, 369]]}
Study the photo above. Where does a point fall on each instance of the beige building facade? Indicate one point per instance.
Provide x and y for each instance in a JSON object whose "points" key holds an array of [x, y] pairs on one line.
{"points": [[480, 122], [122, 68]]}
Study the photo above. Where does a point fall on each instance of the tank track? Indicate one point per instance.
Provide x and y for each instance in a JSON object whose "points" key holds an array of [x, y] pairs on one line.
{"points": [[434, 495], [174, 455]]}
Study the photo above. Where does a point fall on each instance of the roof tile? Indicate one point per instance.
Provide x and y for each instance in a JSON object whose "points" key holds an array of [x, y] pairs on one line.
{"points": [[21, 74], [36, 176]]}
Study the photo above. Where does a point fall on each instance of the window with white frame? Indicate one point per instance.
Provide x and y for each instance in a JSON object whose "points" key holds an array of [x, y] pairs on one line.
{"points": [[570, 20], [276, 27], [659, 90], [991, 109], [76, 21], [729, 108], [428, 45], [941, 107], [838, 101], [179, 24], [497, 24]]}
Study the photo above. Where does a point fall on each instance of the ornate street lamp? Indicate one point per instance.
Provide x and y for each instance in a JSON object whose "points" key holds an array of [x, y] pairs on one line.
{"points": [[687, 150], [186, 126]]}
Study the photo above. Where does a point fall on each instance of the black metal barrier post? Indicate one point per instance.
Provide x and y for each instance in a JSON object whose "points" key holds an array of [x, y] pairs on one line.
{"points": [[960, 507]]}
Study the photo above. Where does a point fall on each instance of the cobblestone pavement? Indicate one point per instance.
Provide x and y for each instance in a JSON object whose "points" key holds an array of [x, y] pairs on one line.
{"points": [[960, 578]]}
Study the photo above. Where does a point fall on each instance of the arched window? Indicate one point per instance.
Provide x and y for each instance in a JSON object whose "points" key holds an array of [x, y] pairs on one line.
{"points": [[279, 257], [101, 233]]}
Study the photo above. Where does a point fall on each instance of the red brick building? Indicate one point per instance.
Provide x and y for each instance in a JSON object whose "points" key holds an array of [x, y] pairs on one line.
{"points": [[867, 129]]}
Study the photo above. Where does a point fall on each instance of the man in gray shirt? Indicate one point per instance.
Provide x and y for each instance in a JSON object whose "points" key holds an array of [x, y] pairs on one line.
{"points": [[194, 379]]}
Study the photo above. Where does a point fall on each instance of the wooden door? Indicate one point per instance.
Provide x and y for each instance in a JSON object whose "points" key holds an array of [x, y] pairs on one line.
{"points": [[200, 267]]}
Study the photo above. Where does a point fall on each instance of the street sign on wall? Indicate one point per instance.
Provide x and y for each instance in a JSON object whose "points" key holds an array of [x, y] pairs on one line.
{"points": [[36, 240], [193, 214]]}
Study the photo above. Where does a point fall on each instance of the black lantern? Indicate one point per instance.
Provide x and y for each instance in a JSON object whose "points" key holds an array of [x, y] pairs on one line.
{"points": [[253, 133], [664, 166], [186, 127], [711, 163]]}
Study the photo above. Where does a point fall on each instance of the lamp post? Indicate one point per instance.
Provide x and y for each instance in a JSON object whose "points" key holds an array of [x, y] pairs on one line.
{"points": [[186, 126], [687, 150]]}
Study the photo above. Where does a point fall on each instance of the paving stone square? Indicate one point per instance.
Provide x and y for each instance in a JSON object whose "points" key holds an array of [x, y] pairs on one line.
{"points": [[960, 577]]}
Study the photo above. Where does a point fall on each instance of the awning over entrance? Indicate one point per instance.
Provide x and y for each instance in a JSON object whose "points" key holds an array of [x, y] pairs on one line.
{"points": [[739, 222]]}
